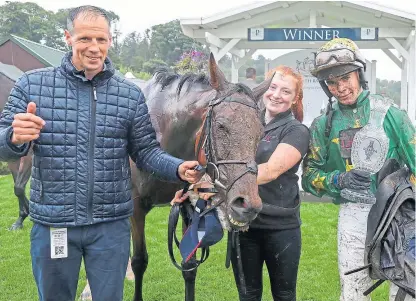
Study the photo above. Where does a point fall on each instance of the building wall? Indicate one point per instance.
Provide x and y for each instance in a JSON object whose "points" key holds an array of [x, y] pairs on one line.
{"points": [[12, 54], [6, 85]]}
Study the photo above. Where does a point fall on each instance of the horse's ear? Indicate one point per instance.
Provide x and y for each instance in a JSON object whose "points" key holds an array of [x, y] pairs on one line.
{"points": [[216, 77], [262, 88]]}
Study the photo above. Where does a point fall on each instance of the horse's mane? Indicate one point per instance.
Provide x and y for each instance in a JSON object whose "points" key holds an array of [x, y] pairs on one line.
{"points": [[165, 77]]}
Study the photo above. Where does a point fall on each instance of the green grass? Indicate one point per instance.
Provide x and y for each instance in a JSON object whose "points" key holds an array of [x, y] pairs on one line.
{"points": [[318, 274]]}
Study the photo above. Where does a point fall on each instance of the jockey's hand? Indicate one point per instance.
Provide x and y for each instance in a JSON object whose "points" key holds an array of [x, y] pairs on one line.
{"points": [[179, 197], [187, 172], [354, 179]]}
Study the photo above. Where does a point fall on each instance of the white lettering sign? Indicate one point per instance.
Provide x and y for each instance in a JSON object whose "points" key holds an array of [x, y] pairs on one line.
{"points": [[310, 34]]}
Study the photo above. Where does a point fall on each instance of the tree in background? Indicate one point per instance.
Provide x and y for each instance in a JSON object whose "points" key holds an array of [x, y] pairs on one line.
{"points": [[192, 61], [30, 21], [258, 64], [140, 53], [391, 89], [168, 43]]}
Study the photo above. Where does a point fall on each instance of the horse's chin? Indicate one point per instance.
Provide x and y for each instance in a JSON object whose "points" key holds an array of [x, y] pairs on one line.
{"points": [[227, 221], [236, 225]]}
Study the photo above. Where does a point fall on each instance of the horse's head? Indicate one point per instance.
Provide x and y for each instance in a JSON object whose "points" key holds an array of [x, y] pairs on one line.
{"points": [[227, 143], [217, 121]]}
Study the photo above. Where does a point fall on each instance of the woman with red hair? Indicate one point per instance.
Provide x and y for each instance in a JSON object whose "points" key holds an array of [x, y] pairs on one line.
{"points": [[274, 236]]}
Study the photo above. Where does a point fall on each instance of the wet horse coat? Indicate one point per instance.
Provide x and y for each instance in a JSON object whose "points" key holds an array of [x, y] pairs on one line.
{"points": [[178, 106]]}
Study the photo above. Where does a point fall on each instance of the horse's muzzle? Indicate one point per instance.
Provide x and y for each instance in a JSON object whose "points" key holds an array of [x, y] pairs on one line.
{"points": [[242, 211]]}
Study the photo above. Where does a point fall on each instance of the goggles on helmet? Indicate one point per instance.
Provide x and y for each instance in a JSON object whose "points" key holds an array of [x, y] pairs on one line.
{"points": [[340, 55]]}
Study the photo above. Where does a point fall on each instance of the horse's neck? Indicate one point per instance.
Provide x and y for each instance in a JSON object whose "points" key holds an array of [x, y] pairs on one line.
{"points": [[186, 116]]}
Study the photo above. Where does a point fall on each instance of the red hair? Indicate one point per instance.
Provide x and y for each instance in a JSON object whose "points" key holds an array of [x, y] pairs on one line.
{"points": [[297, 107]]}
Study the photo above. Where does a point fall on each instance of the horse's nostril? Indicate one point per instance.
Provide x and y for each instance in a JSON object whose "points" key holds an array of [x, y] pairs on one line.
{"points": [[240, 203]]}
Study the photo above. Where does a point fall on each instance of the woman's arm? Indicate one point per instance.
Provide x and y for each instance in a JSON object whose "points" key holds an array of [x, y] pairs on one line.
{"points": [[283, 158], [287, 154]]}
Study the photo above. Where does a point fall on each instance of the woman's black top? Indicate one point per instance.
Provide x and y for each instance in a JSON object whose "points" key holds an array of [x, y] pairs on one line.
{"points": [[281, 196]]}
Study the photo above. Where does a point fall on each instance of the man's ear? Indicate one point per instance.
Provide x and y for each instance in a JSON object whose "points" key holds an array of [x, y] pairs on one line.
{"points": [[111, 41], [67, 37]]}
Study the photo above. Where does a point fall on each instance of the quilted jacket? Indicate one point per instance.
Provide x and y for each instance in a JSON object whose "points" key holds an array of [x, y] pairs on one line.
{"points": [[81, 172]]}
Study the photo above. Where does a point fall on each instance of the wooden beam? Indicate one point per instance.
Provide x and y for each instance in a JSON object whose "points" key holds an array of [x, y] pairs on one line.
{"points": [[247, 16], [219, 43], [394, 58], [403, 86], [349, 12], [227, 48], [403, 52], [243, 60], [271, 16], [285, 4], [409, 40], [396, 33], [312, 18]]}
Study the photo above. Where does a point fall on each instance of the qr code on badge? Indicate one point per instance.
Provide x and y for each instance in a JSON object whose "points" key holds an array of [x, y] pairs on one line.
{"points": [[59, 250]]}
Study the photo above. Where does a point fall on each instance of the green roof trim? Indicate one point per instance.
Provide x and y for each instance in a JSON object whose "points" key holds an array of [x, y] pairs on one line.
{"points": [[47, 55], [10, 71]]}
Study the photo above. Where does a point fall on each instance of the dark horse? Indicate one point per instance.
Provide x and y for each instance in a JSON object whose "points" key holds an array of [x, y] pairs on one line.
{"points": [[178, 107], [21, 170]]}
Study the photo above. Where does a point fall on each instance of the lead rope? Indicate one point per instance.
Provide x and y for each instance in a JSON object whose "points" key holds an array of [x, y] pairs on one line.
{"points": [[234, 242]]}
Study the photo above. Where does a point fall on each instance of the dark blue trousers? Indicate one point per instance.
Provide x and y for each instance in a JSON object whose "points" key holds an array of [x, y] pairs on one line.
{"points": [[105, 248]]}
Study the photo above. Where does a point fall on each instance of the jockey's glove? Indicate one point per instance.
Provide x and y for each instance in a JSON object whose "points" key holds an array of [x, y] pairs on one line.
{"points": [[354, 179]]}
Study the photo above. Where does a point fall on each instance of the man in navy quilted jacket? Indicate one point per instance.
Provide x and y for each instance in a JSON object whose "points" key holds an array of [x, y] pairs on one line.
{"points": [[83, 122]]}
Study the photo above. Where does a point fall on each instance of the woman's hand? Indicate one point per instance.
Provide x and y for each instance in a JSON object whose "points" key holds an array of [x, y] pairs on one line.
{"points": [[179, 197]]}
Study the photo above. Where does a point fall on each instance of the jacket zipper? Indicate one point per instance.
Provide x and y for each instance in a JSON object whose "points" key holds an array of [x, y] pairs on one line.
{"points": [[91, 154]]}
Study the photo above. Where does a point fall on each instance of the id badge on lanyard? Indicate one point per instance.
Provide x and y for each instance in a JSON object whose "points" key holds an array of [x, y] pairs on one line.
{"points": [[59, 243]]}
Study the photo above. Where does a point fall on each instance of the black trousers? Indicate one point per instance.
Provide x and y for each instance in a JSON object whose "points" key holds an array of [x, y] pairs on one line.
{"points": [[280, 250]]}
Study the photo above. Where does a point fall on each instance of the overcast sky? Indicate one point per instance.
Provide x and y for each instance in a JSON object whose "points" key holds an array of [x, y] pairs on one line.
{"points": [[139, 15]]}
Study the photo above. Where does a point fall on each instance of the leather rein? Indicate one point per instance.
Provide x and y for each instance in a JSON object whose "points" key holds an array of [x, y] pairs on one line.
{"points": [[206, 157]]}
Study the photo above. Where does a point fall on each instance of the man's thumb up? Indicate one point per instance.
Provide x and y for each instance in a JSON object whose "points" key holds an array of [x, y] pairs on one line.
{"points": [[31, 108]]}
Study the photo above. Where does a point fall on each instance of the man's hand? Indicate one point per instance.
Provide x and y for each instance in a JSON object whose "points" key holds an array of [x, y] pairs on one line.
{"points": [[188, 173], [27, 126], [354, 179]]}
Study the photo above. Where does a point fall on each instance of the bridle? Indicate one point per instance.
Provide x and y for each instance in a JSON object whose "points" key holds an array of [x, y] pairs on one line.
{"points": [[205, 152]]}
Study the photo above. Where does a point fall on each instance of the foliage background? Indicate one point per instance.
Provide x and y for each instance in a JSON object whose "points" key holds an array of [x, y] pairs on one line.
{"points": [[138, 52]]}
